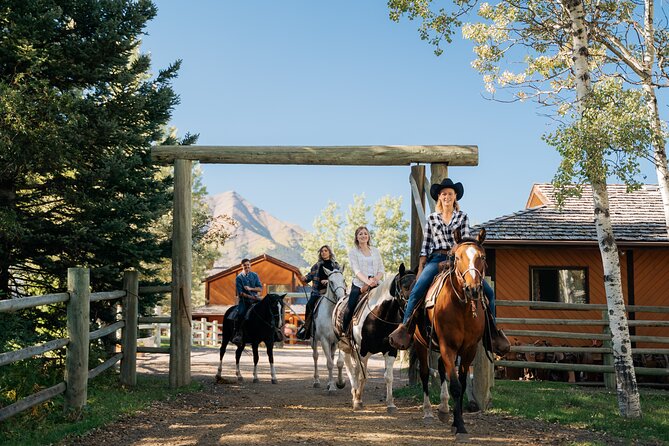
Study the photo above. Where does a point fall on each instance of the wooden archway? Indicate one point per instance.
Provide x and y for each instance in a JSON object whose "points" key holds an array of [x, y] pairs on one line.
{"points": [[438, 156]]}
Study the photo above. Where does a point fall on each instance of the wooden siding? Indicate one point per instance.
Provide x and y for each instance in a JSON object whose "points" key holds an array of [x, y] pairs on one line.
{"points": [[512, 282], [651, 287], [221, 291], [651, 280]]}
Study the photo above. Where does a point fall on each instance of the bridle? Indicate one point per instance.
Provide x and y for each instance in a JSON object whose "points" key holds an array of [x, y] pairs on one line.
{"points": [[333, 289], [469, 295]]}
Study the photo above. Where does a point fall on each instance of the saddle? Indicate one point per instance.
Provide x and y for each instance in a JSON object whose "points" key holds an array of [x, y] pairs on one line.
{"points": [[435, 288], [340, 309]]}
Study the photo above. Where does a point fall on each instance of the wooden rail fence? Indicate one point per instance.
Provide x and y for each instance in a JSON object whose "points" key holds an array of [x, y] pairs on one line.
{"points": [[576, 333], [77, 299]]}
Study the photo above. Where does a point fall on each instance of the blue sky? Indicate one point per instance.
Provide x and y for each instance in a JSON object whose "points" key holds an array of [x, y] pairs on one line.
{"points": [[300, 72]]}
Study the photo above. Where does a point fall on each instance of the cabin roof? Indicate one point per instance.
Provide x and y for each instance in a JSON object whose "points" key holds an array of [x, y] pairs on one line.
{"points": [[637, 218], [263, 257]]}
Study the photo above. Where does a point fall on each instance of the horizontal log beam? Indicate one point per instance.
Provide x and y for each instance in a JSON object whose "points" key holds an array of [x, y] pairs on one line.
{"points": [[322, 155], [31, 302], [32, 400], [154, 319], [104, 331], [104, 366], [107, 295], [585, 307], [153, 349], [150, 289], [29, 352], [579, 367]]}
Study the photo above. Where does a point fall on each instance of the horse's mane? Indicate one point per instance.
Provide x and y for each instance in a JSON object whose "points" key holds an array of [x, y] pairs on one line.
{"points": [[469, 240]]}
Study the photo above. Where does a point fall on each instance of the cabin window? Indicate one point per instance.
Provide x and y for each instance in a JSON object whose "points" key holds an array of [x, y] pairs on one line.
{"points": [[559, 284]]}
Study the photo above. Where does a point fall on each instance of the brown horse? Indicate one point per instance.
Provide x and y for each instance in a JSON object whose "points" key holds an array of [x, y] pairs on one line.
{"points": [[455, 324]]}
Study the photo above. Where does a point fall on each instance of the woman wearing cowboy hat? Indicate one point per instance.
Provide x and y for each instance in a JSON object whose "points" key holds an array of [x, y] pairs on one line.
{"points": [[438, 240]]}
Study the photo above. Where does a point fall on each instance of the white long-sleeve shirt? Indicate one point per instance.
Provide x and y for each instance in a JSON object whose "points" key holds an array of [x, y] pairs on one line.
{"points": [[358, 263]]}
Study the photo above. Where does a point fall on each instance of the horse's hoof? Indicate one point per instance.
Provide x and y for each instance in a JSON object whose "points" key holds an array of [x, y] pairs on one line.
{"points": [[331, 392], [341, 385], [317, 385], [428, 420], [443, 416], [357, 406], [462, 437], [392, 410], [240, 379], [274, 381], [472, 407], [256, 380]]}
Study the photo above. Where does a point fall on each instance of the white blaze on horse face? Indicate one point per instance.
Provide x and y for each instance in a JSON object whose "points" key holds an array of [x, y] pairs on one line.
{"points": [[471, 255]]}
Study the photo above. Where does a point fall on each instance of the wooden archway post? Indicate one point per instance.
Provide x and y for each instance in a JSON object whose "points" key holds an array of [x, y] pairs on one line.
{"points": [[180, 333]]}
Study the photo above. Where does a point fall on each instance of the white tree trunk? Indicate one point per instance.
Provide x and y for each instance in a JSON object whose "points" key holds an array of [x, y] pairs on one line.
{"points": [[659, 150], [628, 393]]}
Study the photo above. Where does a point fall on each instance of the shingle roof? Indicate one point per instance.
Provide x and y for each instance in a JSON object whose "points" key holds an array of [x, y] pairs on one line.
{"points": [[637, 217]]}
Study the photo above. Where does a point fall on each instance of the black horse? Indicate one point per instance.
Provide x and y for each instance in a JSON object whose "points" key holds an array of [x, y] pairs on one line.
{"points": [[377, 316], [264, 323]]}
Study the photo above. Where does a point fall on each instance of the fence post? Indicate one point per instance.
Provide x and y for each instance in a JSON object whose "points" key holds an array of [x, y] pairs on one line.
{"points": [[78, 332], [607, 358], [129, 342]]}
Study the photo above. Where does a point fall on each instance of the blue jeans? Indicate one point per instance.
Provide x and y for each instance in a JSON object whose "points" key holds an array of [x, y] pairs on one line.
{"points": [[430, 270]]}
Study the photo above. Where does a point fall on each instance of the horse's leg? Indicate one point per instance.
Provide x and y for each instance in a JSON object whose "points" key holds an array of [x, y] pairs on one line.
{"points": [[329, 359], [340, 366], [238, 355], [224, 346], [424, 369], [270, 355], [254, 347], [362, 376], [314, 354], [388, 375], [457, 394], [443, 396], [352, 371]]}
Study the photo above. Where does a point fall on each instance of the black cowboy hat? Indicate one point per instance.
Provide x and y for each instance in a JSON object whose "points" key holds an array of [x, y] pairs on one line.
{"points": [[447, 183]]}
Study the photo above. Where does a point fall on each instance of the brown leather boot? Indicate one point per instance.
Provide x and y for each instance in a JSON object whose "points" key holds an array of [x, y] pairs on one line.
{"points": [[500, 343], [400, 338]]}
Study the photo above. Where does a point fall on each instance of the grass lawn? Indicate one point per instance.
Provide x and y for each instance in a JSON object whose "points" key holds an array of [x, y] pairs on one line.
{"points": [[107, 401], [572, 405]]}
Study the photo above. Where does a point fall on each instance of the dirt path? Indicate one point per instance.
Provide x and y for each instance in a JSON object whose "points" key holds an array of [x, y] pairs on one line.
{"points": [[293, 412]]}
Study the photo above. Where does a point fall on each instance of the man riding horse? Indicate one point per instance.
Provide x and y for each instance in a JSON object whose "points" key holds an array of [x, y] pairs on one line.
{"points": [[248, 286], [438, 242]]}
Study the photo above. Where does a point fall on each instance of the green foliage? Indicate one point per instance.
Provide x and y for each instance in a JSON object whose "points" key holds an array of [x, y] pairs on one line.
{"points": [[79, 112], [607, 139], [389, 231], [107, 402], [574, 406]]}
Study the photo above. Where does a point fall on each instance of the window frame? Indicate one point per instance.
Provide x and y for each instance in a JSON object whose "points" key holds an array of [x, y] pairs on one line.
{"points": [[586, 287]]}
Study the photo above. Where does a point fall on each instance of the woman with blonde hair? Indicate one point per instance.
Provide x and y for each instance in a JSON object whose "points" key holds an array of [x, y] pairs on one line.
{"points": [[438, 240], [367, 268]]}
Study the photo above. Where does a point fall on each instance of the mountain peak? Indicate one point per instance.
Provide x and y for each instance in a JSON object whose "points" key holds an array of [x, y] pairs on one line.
{"points": [[258, 232]]}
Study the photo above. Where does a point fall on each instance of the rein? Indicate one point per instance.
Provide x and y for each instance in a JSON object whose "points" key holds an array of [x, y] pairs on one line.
{"points": [[334, 291]]}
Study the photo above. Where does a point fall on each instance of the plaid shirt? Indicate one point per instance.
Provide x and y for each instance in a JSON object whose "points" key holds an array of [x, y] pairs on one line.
{"points": [[315, 279], [439, 235]]}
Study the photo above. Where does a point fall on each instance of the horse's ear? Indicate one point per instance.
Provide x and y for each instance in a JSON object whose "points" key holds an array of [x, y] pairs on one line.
{"points": [[457, 236], [327, 271], [481, 237], [402, 268], [281, 296], [343, 268]]}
